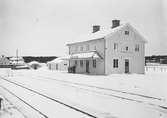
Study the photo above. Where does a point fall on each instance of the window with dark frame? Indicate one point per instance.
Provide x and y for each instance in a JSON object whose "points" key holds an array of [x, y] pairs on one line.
{"points": [[75, 62], [126, 32], [137, 48], [115, 46], [127, 48], [94, 63], [81, 63], [94, 47], [56, 66], [115, 63]]}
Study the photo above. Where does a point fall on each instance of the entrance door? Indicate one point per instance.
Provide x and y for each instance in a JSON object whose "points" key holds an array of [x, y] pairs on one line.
{"points": [[126, 66], [87, 66]]}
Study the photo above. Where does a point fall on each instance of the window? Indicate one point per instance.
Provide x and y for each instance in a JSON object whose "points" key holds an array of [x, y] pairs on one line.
{"points": [[81, 63], [76, 48], [81, 48], [75, 62], [94, 63], [137, 47], [94, 47], [87, 47], [126, 32], [56, 66], [115, 46], [126, 48], [115, 63]]}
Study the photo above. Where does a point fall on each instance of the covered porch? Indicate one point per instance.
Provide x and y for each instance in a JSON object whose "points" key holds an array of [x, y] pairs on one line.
{"points": [[86, 62]]}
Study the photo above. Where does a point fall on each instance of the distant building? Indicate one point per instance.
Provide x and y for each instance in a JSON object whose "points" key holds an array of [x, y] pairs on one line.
{"points": [[58, 64], [17, 61], [34, 65], [4, 62], [120, 49]]}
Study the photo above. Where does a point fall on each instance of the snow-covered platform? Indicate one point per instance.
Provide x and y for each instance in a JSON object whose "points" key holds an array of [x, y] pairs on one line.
{"points": [[117, 95]]}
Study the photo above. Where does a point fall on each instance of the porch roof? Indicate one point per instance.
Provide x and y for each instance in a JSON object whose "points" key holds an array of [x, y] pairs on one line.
{"points": [[84, 55]]}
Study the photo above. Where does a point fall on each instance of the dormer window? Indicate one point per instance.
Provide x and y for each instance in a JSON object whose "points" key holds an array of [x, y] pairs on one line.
{"points": [[126, 32]]}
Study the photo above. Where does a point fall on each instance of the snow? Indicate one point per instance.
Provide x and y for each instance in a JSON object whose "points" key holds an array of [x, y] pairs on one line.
{"points": [[103, 33], [9, 110], [85, 55], [99, 34], [33, 62], [57, 60], [16, 59], [121, 96]]}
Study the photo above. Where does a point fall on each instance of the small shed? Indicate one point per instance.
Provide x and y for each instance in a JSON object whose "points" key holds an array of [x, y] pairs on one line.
{"points": [[58, 64], [34, 64]]}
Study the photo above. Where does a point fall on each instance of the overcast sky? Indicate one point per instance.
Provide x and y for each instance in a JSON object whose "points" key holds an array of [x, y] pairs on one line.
{"points": [[44, 27]]}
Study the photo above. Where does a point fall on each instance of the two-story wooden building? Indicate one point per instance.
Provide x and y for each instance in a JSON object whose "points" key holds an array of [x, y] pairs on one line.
{"points": [[119, 49]]}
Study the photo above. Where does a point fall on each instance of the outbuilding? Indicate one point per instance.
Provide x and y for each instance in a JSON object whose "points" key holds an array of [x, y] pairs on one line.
{"points": [[34, 65], [58, 64]]}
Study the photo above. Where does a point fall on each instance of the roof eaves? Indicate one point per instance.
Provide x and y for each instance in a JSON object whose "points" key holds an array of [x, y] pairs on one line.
{"points": [[69, 44], [143, 39]]}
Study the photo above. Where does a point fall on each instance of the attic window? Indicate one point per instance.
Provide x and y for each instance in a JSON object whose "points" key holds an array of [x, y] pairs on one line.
{"points": [[137, 47], [126, 32]]}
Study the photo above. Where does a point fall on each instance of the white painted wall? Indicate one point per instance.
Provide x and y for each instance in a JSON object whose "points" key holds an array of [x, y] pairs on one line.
{"points": [[62, 66], [97, 45], [136, 59]]}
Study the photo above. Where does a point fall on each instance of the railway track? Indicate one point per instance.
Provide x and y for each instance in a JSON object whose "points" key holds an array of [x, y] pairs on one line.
{"points": [[92, 115], [100, 90], [93, 89], [42, 114]]}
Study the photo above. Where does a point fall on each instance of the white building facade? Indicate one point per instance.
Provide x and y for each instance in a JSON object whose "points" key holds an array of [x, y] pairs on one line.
{"points": [[58, 64], [4, 61], [121, 49]]}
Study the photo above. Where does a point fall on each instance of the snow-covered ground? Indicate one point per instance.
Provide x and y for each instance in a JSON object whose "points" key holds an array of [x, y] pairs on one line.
{"points": [[8, 110], [116, 95]]}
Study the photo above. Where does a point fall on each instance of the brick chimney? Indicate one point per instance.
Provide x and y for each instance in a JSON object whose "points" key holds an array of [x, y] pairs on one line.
{"points": [[96, 28], [115, 23]]}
